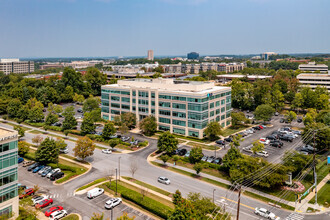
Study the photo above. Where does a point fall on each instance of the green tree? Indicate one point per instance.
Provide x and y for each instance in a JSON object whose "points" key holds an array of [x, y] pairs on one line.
{"points": [[125, 217], [87, 126], [156, 75], [84, 148], [23, 148], [264, 112], [20, 130], [323, 102], [257, 146], [91, 103], [35, 110], [298, 101], [148, 125], [78, 98], [164, 158], [109, 129], [290, 116], [198, 167], [47, 152], [14, 107], [183, 208], [167, 142], [51, 119], [69, 120], [196, 155], [129, 119], [238, 118], [114, 142], [159, 69], [230, 157], [95, 78], [213, 130], [277, 97], [60, 144]]}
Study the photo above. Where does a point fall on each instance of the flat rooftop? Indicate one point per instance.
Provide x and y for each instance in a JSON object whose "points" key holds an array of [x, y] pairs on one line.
{"points": [[312, 75], [5, 132]]}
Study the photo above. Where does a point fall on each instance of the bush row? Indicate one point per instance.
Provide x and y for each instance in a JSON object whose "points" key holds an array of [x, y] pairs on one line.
{"points": [[147, 203]]}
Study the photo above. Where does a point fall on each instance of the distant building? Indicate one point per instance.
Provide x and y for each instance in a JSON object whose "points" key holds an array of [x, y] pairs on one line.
{"points": [[266, 55], [8, 173], [230, 67], [150, 55], [48, 66], [16, 66], [82, 64], [312, 67], [313, 80], [193, 56], [229, 77]]}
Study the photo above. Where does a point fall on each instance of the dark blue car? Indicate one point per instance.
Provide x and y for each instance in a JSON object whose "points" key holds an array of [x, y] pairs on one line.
{"points": [[20, 159], [38, 168]]}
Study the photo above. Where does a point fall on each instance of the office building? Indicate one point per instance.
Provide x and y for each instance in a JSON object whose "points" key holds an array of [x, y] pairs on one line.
{"points": [[230, 67], [312, 67], [193, 56], [266, 55], [16, 66], [8, 172], [313, 80], [48, 66], [181, 107], [229, 77], [150, 55]]}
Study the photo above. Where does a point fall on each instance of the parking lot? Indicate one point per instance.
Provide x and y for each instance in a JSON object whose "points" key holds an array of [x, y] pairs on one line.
{"points": [[73, 203]]}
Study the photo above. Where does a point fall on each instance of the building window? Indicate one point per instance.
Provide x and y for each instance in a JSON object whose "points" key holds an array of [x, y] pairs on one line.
{"points": [[165, 104], [143, 94], [165, 120], [222, 117], [178, 106], [194, 100], [197, 107], [223, 109], [125, 92], [217, 104], [8, 160], [179, 131], [115, 105], [124, 99], [8, 146], [6, 213], [134, 100], [164, 96], [178, 122], [223, 102], [105, 117], [153, 95], [179, 114], [142, 109], [125, 107], [115, 91], [217, 111], [105, 96], [196, 124], [198, 116], [105, 103], [228, 107], [8, 176], [105, 109], [115, 112], [211, 113], [115, 98], [143, 102], [152, 111], [228, 123], [165, 112], [163, 128], [8, 193], [193, 133], [212, 105], [179, 98]]}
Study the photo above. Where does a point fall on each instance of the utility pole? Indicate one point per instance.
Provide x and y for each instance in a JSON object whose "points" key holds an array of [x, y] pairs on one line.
{"points": [[315, 174], [239, 201], [111, 213], [213, 195], [215, 151], [116, 181], [119, 167]]}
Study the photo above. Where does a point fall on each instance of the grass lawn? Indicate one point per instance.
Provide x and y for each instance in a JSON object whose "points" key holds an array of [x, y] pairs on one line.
{"points": [[71, 217], [206, 141], [208, 147], [35, 132], [231, 130], [323, 195], [156, 189], [92, 183]]}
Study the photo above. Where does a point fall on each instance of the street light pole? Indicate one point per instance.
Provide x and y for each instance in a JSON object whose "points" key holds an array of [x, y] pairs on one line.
{"points": [[119, 167], [213, 195], [116, 181]]}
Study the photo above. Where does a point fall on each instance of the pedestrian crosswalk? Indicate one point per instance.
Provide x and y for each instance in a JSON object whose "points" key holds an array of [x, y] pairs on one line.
{"points": [[295, 216], [60, 195]]}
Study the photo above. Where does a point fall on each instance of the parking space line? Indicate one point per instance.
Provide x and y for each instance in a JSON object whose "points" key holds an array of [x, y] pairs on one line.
{"points": [[124, 209]]}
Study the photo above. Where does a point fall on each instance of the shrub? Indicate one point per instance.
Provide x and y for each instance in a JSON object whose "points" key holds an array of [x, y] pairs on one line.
{"points": [[55, 128], [143, 144]]}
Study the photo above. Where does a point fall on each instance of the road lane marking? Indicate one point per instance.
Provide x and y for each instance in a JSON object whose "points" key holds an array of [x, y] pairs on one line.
{"points": [[253, 216], [240, 203]]}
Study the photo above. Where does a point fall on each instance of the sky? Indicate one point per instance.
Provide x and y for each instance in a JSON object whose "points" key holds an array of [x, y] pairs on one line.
{"points": [[105, 28]]}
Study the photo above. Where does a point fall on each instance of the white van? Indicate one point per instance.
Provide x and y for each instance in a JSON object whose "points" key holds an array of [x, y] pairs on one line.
{"points": [[94, 193]]}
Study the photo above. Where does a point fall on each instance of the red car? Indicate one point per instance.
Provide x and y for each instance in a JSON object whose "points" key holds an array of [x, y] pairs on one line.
{"points": [[44, 203], [26, 193], [53, 209], [261, 127]]}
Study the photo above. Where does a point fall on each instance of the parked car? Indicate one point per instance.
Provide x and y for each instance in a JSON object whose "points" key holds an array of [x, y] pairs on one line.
{"points": [[281, 120], [20, 159], [262, 153], [44, 203], [276, 143], [125, 138], [187, 154], [27, 163], [58, 214], [38, 199], [106, 151], [33, 166], [79, 110], [271, 137], [276, 114], [221, 142], [247, 149], [299, 120], [242, 134], [256, 128], [111, 203], [38, 168], [43, 169], [164, 180], [303, 152], [296, 132], [52, 210], [264, 141], [56, 175], [64, 151], [264, 213], [182, 151], [52, 172], [46, 171], [218, 160], [261, 127], [309, 148], [94, 193], [250, 131], [228, 139], [286, 138], [57, 124], [204, 158], [210, 159], [134, 142], [27, 192], [22, 187], [115, 136]]}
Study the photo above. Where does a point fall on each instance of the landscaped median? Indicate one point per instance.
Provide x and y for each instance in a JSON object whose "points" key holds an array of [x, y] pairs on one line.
{"points": [[72, 216], [139, 194]]}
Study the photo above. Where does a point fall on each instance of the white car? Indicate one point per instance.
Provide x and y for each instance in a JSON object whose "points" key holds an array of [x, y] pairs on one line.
{"points": [[112, 203], [262, 153], [264, 213], [58, 214], [247, 149], [164, 180], [64, 151], [94, 193], [38, 199], [43, 169], [106, 151], [264, 141], [53, 171]]}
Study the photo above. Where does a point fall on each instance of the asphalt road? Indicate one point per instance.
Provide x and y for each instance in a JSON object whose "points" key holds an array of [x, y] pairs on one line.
{"points": [[103, 164]]}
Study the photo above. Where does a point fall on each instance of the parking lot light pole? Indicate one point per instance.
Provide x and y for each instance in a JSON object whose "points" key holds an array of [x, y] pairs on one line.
{"points": [[111, 214], [116, 181], [119, 167], [213, 195]]}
